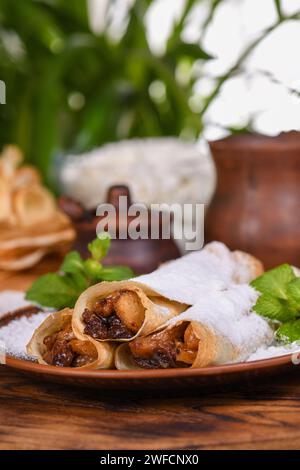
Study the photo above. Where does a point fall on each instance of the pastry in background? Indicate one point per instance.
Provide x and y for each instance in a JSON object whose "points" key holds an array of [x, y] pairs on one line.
{"points": [[31, 224]]}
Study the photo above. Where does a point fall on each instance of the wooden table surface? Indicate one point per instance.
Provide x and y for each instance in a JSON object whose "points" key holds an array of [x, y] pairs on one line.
{"points": [[36, 415]]}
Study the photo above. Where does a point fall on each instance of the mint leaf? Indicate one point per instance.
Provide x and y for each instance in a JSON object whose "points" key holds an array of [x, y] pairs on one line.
{"points": [[55, 291], [293, 291], [289, 332], [274, 308], [93, 269], [60, 290], [79, 281], [116, 273], [73, 263], [99, 247], [274, 282]]}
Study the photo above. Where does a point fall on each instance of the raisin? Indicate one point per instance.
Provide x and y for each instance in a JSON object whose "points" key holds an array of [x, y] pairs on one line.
{"points": [[117, 329], [62, 354], [87, 315], [97, 328]]}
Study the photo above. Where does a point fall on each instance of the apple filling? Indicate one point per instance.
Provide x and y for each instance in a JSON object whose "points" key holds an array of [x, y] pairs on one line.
{"points": [[64, 350], [172, 347], [118, 316]]}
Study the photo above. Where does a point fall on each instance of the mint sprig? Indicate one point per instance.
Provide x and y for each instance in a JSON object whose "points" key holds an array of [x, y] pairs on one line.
{"points": [[275, 281], [55, 291], [289, 332], [62, 289], [274, 308], [280, 301]]}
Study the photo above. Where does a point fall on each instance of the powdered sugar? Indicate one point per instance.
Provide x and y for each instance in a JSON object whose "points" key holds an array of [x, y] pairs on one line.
{"points": [[11, 300], [15, 336], [274, 351], [188, 278], [228, 314]]}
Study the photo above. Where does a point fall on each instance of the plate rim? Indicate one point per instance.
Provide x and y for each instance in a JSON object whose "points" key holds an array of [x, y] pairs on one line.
{"points": [[120, 375]]}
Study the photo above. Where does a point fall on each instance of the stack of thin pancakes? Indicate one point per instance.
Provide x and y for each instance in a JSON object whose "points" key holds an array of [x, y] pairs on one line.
{"points": [[31, 225]]}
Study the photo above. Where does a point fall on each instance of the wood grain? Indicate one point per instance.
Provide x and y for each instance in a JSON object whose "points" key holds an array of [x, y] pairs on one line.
{"points": [[34, 415], [39, 416]]}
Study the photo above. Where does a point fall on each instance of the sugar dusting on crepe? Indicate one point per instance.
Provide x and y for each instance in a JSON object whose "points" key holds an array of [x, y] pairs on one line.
{"points": [[15, 336], [189, 278], [17, 333], [229, 315]]}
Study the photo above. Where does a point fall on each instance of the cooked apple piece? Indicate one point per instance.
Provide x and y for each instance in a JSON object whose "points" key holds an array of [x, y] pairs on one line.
{"points": [[130, 310]]}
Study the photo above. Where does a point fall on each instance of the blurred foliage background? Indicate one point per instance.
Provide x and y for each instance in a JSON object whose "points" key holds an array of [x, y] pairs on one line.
{"points": [[70, 89]]}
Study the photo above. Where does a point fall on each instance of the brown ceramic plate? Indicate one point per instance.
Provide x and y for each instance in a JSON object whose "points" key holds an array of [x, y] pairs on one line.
{"points": [[171, 379]]}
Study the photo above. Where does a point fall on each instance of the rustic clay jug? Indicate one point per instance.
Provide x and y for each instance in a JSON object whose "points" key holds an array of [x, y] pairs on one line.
{"points": [[142, 255], [256, 206]]}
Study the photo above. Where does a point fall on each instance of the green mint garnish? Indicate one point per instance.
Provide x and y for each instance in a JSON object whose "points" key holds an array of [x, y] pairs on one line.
{"points": [[289, 332], [274, 308], [62, 289], [111, 273], [55, 291], [280, 301], [99, 247], [275, 281], [72, 263], [293, 291]]}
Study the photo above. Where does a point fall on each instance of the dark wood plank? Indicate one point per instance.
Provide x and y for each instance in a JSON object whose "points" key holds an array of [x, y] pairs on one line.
{"points": [[47, 416]]}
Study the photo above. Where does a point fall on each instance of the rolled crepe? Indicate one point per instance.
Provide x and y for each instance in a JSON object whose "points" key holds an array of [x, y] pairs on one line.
{"points": [[121, 311], [221, 328], [54, 343]]}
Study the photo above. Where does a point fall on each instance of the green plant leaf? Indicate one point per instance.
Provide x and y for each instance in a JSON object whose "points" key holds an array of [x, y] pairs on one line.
{"points": [[293, 291], [274, 308], [116, 273], [289, 332], [93, 269], [275, 281], [75, 10], [34, 24], [54, 291], [189, 50], [73, 263], [278, 9], [214, 4], [99, 247], [180, 24]]}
